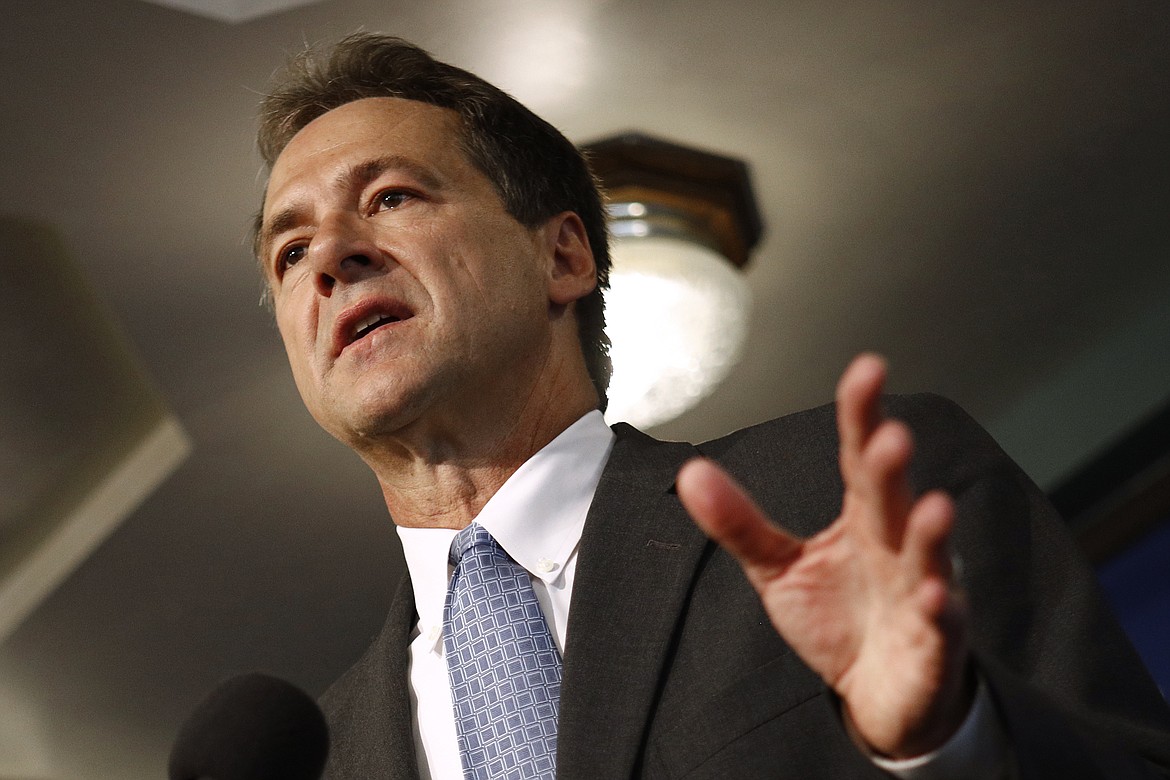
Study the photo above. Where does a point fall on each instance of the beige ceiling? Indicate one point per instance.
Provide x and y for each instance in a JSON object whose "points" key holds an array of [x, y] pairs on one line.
{"points": [[978, 189]]}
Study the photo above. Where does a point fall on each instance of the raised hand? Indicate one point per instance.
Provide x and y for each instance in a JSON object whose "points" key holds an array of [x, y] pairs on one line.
{"points": [[867, 603]]}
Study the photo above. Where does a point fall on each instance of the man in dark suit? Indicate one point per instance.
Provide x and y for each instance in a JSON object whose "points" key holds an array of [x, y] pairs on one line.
{"points": [[435, 255]]}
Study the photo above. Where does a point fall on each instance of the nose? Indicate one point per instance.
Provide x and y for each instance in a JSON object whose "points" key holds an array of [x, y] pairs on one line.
{"points": [[343, 252]]}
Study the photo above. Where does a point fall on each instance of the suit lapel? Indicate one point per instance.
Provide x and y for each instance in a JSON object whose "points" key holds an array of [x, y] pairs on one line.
{"points": [[400, 749], [368, 709], [636, 562]]}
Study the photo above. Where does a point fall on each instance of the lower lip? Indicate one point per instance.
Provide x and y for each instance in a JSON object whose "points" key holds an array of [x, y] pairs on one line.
{"points": [[373, 339]]}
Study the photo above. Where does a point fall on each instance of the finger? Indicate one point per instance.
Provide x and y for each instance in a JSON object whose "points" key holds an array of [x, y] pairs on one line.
{"points": [[725, 512], [858, 412], [879, 492], [926, 547]]}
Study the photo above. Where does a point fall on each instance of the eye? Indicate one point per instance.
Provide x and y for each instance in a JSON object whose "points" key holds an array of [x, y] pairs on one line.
{"points": [[289, 256], [387, 200]]}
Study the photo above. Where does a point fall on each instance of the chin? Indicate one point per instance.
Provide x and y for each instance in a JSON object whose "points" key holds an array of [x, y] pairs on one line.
{"points": [[373, 418]]}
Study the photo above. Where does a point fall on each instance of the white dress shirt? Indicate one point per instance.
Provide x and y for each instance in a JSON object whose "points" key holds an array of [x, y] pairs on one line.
{"points": [[537, 517]]}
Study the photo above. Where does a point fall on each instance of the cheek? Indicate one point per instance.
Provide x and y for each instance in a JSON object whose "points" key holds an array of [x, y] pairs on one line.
{"points": [[298, 335], [304, 377]]}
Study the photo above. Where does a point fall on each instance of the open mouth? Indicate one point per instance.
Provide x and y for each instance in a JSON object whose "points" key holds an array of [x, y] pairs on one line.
{"points": [[362, 320], [370, 324]]}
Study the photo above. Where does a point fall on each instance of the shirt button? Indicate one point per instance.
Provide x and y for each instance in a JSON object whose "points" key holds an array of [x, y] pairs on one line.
{"points": [[544, 565]]}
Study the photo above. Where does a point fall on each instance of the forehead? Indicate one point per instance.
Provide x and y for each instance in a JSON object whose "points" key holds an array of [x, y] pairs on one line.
{"points": [[367, 129]]}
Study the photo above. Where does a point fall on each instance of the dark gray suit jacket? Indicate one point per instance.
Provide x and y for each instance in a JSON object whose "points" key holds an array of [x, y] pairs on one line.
{"points": [[672, 670]]}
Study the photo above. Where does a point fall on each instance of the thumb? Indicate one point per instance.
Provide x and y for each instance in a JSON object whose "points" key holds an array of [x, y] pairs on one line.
{"points": [[727, 514]]}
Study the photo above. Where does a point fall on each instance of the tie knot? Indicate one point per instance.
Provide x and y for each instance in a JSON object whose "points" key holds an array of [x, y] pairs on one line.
{"points": [[474, 535]]}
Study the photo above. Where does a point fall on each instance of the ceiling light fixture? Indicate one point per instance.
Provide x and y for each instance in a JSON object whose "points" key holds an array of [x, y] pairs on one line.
{"points": [[683, 223]]}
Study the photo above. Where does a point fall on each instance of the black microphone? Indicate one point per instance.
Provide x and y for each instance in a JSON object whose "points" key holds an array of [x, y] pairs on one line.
{"points": [[252, 727]]}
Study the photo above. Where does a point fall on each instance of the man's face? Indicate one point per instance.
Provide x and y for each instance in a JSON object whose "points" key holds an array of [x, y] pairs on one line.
{"points": [[403, 290]]}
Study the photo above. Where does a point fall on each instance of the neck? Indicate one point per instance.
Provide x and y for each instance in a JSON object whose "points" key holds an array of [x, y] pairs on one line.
{"points": [[440, 476]]}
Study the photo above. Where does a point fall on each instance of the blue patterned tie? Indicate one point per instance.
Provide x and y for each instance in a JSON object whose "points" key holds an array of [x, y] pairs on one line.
{"points": [[504, 667]]}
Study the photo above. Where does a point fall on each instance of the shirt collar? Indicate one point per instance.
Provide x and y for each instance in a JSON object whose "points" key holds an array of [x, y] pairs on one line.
{"points": [[537, 515]]}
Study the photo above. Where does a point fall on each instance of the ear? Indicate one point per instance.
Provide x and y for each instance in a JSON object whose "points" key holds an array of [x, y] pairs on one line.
{"points": [[572, 273]]}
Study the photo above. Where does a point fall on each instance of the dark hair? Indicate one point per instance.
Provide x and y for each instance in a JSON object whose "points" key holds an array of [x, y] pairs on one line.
{"points": [[537, 172]]}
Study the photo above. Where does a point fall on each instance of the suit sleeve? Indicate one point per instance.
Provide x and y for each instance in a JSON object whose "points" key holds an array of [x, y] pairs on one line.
{"points": [[1073, 695]]}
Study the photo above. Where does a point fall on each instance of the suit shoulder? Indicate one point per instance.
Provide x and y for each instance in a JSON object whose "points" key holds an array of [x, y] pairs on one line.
{"points": [[925, 413], [798, 428], [805, 444]]}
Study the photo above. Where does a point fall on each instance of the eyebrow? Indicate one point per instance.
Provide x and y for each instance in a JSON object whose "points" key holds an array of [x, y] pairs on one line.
{"points": [[285, 219], [348, 180]]}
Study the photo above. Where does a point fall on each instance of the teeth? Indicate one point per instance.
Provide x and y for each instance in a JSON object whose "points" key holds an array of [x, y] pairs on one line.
{"points": [[367, 322]]}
